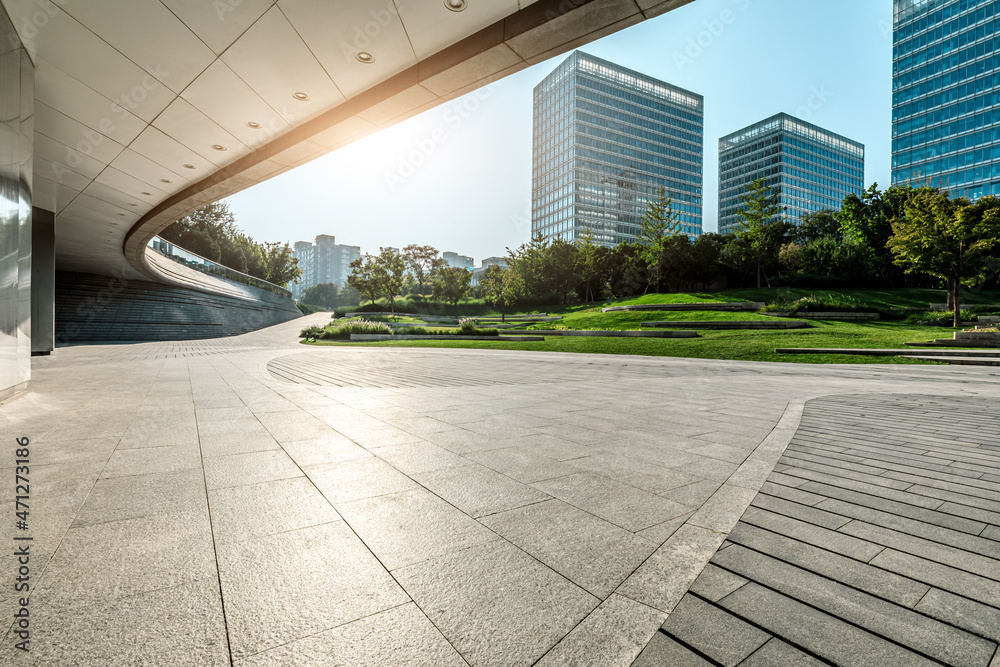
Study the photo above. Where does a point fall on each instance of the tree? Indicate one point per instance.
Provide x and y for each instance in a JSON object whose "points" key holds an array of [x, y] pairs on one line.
{"points": [[868, 219], [212, 232], [761, 209], [420, 260], [323, 295], [389, 273], [530, 262], [657, 224], [946, 238], [501, 288], [279, 267], [363, 277], [451, 284], [560, 267], [589, 265], [818, 225]]}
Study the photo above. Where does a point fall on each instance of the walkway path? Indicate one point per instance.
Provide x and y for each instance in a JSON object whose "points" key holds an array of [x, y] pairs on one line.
{"points": [[249, 501]]}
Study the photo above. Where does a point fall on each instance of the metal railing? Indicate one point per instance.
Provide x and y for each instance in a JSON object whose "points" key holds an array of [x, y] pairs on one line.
{"points": [[207, 266]]}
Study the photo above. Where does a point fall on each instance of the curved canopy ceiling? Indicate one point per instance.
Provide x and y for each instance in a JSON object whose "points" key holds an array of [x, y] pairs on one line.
{"points": [[147, 110]]}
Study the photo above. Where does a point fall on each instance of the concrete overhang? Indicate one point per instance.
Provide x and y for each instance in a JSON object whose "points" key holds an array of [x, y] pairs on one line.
{"points": [[147, 110]]}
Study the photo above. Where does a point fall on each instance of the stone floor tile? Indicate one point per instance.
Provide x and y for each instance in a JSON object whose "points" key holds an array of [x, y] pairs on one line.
{"points": [[662, 651], [663, 579], [613, 635], [296, 584], [132, 497], [401, 636], [623, 505], [239, 469], [359, 478], [181, 625], [522, 465], [152, 460], [102, 562], [256, 510], [714, 632], [590, 552], [418, 457], [495, 604], [407, 527], [479, 491]]}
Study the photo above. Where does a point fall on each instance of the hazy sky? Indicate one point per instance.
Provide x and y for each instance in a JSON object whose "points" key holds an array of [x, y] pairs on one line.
{"points": [[826, 62]]}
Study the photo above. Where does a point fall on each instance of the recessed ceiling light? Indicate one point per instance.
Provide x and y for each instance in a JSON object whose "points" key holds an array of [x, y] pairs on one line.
{"points": [[301, 97], [365, 57], [189, 166], [218, 147], [455, 5], [163, 180], [254, 125]]}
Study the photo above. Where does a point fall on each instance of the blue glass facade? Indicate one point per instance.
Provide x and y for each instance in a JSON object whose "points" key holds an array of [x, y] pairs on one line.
{"points": [[811, 168], [605, 139], [946, 95]]}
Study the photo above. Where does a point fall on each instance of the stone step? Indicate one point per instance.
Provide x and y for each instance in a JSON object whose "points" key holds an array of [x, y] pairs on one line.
{"points": [[913, 352], [961, 361], [609, 334], [840, 316], [732, 306], [723, 324]]}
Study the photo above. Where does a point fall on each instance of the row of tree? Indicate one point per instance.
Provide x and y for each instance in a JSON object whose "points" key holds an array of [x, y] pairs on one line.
{"points": [[903, 236], [391, 274], [212, 233]]}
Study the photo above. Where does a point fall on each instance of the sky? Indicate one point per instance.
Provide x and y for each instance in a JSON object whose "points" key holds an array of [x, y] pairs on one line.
{"points": [[458, 177]]}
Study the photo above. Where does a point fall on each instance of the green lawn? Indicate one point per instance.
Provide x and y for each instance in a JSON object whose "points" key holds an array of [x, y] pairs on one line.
{"points": [[739, 345]]}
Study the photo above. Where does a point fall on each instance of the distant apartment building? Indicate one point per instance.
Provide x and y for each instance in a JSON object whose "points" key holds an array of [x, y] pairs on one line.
{"points": [[454, 260], [813, 169], [478, 272], [323, 262], [605, 139], [946, 88]]}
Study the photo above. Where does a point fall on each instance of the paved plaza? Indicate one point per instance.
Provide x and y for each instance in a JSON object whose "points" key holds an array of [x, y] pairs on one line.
{"points": [[250, 501]]}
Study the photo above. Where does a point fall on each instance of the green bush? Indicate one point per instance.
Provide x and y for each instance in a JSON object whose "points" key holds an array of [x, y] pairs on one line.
{"points": [[311, 332], [938, 318], [309, 309], [840, 303], [343, 331]]}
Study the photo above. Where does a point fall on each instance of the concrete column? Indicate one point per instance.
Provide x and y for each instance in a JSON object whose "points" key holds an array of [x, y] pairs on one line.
{"points": [[43, 281]]}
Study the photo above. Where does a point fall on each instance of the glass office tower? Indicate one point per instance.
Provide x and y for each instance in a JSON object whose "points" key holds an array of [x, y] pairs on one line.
{"points": [[946, 83], [812, 169], [605, 139]]}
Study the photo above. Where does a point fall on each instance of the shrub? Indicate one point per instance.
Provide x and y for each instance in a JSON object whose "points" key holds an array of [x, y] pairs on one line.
{"points": [[938, 318], [309, 309], [311, 332], [823, 304], [344, 330]]}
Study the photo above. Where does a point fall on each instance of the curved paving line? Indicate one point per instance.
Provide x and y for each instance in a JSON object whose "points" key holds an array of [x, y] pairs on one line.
{"points": [[624, 623], [876, 540]]}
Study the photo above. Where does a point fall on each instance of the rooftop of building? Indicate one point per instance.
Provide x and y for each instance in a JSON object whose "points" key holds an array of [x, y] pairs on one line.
{"points": [[787, 123]]}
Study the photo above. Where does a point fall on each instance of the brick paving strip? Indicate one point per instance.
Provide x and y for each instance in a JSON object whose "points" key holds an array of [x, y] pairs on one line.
{"points": [[875, 541]]}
